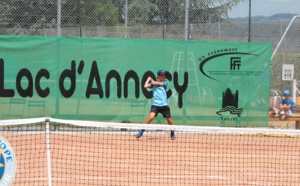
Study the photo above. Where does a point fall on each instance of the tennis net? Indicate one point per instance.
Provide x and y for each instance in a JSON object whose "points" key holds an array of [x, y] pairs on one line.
{"points": [[51, 151]]}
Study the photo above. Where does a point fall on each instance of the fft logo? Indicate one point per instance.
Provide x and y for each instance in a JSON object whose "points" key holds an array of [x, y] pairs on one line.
{"points": [[7, 162], [235, 62]]}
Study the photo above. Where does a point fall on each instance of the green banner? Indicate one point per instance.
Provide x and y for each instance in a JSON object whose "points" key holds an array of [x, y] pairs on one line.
{"points": [[210, 83]]}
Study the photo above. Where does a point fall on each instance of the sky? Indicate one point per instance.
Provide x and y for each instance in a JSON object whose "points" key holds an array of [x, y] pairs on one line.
{"points": [[265, 8]]}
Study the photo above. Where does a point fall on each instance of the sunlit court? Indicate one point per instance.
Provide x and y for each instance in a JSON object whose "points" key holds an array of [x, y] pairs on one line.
{"points": [[149, 93], [81, 155]]}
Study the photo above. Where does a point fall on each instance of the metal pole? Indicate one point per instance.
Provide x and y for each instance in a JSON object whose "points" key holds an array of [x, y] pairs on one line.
{"points": [[79, 17], [58, 17], [294, 93], [186, 26], [163, 31], [126, 17], [249, 26], [219, 30], [284, 35]]}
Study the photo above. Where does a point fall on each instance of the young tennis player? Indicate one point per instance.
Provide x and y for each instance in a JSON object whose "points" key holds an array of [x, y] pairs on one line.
{"points": [[286, 107], [159, 102]]}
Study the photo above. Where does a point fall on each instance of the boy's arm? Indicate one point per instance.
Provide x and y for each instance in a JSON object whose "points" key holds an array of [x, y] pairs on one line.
{"points": [[157, 83], [147, 83], [281, 104], [287, 104], [290, 103]]}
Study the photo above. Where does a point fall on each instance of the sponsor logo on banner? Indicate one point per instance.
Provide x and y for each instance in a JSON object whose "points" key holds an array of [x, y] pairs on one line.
{"points": [[235, 64], [7, 162], [230, 104], [210, 68]]}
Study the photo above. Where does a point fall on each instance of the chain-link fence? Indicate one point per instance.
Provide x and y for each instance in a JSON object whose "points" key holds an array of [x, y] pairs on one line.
{"points": [[202, 20]]}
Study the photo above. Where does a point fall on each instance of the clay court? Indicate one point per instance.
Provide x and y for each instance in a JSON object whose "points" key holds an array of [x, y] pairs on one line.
{"points": [[120, 159]]}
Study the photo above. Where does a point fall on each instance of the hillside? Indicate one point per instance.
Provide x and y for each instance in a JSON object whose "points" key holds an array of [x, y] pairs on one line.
{"points": [[275, 17]]}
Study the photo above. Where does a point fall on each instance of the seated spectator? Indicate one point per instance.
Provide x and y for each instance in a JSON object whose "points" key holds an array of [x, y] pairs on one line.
{"points": [[286, 107]]}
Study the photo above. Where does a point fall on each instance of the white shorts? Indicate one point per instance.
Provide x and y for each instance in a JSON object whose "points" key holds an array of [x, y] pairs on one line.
{"points": [[288, 113]]}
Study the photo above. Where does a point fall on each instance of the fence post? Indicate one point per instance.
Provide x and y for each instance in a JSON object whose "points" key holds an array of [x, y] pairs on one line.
{"points": [[58, 17], [186, 22]]}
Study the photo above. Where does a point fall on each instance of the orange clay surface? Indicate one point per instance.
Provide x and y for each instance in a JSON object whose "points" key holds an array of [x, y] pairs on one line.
{"points": [[155, 159]]}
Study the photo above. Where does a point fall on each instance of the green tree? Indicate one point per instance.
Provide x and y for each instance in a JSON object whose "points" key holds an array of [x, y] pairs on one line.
{"points": [[200, 11], [33, 14], [141, 11], [90, 12], [28, 14], [205, 11], [106, 13], [5, 19]]}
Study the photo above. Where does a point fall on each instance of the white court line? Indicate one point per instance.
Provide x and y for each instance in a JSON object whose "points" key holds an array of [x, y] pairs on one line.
{"points": [[125, 177], [236, 180], [221, 177]]}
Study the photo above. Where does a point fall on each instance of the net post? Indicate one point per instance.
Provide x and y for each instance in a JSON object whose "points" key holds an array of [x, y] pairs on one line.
{"points": [[47, 121]]}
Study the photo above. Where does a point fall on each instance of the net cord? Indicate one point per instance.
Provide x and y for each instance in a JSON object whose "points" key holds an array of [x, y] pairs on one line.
{"points": [[137, 126]]}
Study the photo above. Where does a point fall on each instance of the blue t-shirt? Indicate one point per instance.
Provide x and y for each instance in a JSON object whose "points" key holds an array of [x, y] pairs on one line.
{"points": [[288, 102], [160, 94]]}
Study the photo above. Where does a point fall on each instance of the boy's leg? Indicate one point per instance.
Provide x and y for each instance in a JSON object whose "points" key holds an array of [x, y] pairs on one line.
{"points": [[289, 113], [276, 111], [286, 113], [150, 118], [148, 121], [170, 122]]}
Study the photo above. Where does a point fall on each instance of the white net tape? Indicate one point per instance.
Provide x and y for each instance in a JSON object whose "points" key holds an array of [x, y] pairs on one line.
{"points": [[163, 127]]}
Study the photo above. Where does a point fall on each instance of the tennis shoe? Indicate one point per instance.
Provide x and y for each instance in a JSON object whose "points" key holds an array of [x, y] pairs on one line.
{"points": [[273, 114], [138, 135], [173, 137], [283, 116]]}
